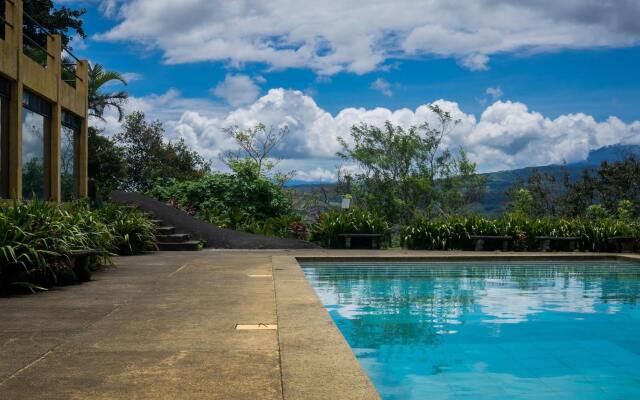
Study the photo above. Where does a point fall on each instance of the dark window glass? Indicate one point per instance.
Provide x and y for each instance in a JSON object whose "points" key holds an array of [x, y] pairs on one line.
{"points": [[68, 155], [3, 16], [4, 148], [34, 132], [5, 87]]}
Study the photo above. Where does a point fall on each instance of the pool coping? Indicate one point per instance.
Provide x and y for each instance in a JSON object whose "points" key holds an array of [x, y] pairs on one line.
{"points": [[316, 360]]}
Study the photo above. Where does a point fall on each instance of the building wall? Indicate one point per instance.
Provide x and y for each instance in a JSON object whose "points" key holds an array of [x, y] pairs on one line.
{"points": [[46, 82]]}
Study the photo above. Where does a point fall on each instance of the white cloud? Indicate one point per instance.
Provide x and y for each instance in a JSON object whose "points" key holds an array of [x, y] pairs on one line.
{"points": [[475, 62], [316, 175], [237, 90], [494, 92], [506, 135], [382, 86], [335, 35], [132, 76]]}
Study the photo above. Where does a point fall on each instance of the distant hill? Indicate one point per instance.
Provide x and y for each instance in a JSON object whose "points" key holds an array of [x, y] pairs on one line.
{"points": [[495, 200]]}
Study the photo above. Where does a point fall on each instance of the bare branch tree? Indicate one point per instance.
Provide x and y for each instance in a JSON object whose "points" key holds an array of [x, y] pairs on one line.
{"points": [[256, 143]]}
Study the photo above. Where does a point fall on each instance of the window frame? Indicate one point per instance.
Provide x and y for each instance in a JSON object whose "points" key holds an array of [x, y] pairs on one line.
{"points": [[4, 145], [73, 122], [42, 107]]}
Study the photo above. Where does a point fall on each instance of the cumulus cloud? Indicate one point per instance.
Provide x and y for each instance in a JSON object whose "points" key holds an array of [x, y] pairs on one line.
{"points": [[334, 35], [494, 92], [506, 135], [237, 90], [382, 86]]}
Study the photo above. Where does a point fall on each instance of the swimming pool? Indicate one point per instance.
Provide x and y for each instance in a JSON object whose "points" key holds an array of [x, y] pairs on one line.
{"points": [[489, 330]]}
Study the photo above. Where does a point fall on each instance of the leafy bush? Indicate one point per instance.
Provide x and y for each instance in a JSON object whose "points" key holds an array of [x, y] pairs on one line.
{"points": [[332, 223], [288, 226], [455, 232], [133, 232], [36, 239], [240, 200]]}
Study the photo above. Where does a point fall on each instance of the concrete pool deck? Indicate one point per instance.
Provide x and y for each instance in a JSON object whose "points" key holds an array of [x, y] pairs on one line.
{"points": [[163, 326]]}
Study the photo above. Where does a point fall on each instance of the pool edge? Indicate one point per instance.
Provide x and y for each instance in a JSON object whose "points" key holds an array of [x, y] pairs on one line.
{"points": [[316, 361]]}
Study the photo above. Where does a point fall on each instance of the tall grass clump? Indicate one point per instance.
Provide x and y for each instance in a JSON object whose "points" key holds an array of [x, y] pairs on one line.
{"points": [[332, 223], [38, 238], [133, 232], [454, 232]]}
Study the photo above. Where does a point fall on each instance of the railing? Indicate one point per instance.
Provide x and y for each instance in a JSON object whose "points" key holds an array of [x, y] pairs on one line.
{"points": [[35, 42], [41, 54], [68, 72]]}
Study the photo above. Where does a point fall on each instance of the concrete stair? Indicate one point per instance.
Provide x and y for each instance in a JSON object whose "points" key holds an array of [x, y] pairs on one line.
{"points": [[166, 237], [168, 240]]}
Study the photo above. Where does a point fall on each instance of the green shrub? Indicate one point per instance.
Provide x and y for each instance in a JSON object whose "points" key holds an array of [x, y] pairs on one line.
{"points": [[332, 223], [242, 200], [37, 238], [133, 232], [455, 232], [288, 226]]}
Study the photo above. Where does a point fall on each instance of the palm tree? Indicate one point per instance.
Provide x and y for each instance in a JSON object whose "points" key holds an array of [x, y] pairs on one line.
{"points": [[99, 100]]}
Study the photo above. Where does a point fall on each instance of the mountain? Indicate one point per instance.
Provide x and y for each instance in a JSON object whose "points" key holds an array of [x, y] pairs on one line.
{"points": [[495, 200]]}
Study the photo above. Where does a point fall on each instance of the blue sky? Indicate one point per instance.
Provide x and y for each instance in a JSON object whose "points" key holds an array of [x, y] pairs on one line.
{"points": [[533, 84]]}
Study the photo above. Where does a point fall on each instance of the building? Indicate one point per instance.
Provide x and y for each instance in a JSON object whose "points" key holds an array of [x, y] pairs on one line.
{"points": [[43, 112]]}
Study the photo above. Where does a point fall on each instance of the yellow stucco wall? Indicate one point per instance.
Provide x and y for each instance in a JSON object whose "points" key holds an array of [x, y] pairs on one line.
{"points": [[46, 82]]}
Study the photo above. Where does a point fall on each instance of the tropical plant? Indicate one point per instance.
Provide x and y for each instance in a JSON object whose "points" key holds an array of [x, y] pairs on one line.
{"points": [[133, 232], [454, 233], [332, 223], [37, 239], [99, 99]]}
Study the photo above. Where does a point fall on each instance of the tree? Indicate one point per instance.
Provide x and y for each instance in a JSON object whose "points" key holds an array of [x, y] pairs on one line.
{"points": [[619, 180], [148, 157], [257, 144], [99, 99], [107, 166], [403, 170], [523, 202], [607, 186], [546, 191], [63, 20], [579, 195]]}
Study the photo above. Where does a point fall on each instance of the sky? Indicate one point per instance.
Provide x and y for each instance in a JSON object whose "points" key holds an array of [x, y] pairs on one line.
{"points": [[532, 83]]}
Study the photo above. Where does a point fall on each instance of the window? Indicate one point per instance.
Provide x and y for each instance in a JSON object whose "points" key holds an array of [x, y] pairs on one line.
{"points": [[3, 16], [70, 133], [4, 138], [36, 141]]}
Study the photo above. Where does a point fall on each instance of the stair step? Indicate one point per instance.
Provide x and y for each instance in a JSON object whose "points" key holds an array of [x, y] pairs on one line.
{"points": [[192, 245], [174, 238], [157, 222], [165, 230]]}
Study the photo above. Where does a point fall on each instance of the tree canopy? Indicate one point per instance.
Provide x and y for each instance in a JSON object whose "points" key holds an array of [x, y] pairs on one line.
{"points": [[149, 157], [62, 20], [403, 171]]}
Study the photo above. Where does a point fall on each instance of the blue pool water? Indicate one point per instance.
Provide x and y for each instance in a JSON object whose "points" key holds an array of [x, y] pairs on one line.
{"points": [[489, 330]]}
